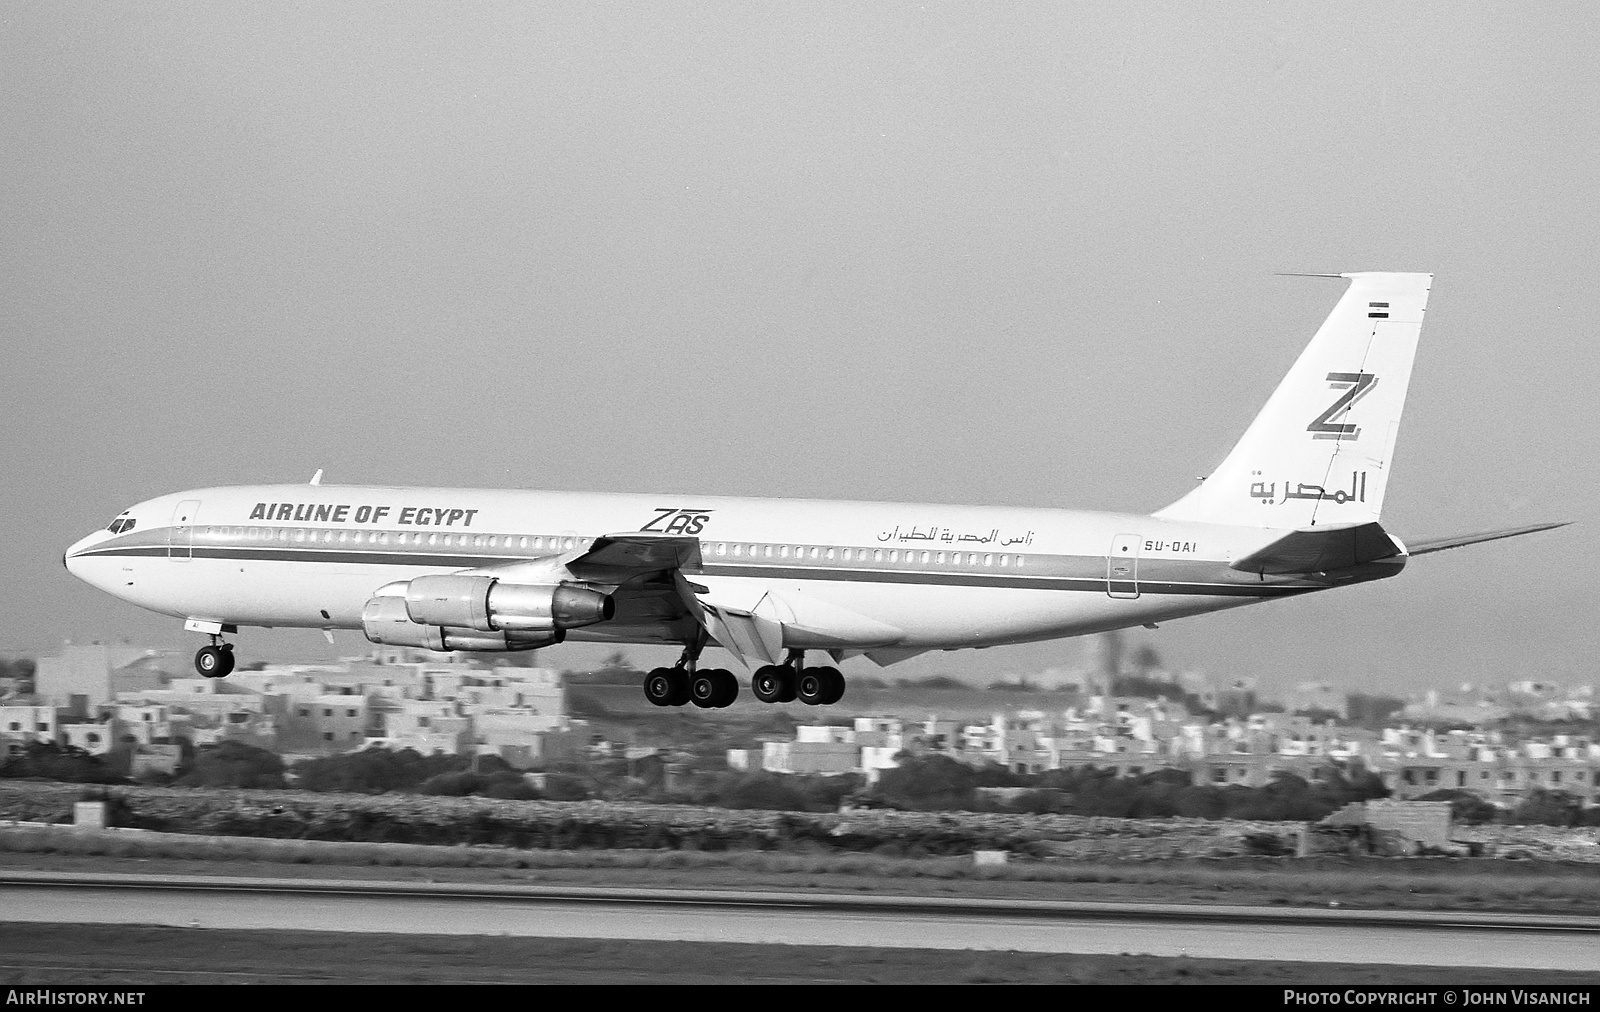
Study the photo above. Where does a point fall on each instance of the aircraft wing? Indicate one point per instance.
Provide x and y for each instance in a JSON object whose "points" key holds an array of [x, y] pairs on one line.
{"points": [[1440, 544], [636, 569], [618, 558], [609, 560]]}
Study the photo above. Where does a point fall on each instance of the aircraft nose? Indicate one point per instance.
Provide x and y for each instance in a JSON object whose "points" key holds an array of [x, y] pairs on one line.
{"points": [[72, 558]]}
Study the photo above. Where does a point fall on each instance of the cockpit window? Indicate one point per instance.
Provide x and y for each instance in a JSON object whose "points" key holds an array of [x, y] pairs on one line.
{"points": [[121, 525]]}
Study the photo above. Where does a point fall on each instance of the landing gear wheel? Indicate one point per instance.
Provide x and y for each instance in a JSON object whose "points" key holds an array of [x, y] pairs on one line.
{"points": [[703, 687], [709, 687], [214, 661], [773, 683], [835, 685], [728, 686], [667, 687], [820, 686], [812, 687]]}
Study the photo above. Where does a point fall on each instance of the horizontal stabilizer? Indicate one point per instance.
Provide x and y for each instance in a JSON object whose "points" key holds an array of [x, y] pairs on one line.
{"points": [[1440, 544], [1320, 550]]}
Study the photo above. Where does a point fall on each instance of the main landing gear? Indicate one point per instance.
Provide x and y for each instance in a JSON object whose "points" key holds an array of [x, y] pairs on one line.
{"points": [[791, 680], [216, 660], [717, 687], [685, 682]]}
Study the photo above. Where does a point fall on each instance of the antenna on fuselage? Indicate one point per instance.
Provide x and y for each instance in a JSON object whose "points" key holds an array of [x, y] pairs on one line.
{"points": [[316, 479]]}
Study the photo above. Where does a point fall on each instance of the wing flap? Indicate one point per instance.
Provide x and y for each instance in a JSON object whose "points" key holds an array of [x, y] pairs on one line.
{"points": [[749, 634]]}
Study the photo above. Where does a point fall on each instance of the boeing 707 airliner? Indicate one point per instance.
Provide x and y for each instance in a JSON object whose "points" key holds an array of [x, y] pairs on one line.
{"points": [[1293, 509]]}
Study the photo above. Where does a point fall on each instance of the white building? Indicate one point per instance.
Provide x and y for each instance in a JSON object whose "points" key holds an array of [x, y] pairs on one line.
{"points": [[86, 675], [21, 726]]}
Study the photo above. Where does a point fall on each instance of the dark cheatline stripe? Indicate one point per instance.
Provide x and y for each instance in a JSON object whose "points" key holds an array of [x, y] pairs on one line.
{"points": [[316, 555], [916, 577]]}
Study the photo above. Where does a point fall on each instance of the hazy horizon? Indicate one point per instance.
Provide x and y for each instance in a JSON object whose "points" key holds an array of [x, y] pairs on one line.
{"points": [[1025, 255]]}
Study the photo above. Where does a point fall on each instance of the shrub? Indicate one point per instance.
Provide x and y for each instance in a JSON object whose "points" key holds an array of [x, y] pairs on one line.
{"points": [[565, 787], [233, 764], [1549, 808], [49, 761], [374, 770], [457, 784], [938, 782], [1465, 807]]}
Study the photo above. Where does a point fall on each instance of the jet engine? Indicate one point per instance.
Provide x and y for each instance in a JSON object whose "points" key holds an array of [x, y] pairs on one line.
{"points": [[486, 604], [385, 620], [480, 613]]}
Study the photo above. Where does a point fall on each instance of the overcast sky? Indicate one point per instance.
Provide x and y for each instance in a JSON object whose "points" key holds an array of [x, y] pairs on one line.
{"points": [[999, 253]]}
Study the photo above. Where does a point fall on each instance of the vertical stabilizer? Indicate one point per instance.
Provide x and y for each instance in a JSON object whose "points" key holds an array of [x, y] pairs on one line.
{"points": [[1320, 452]]}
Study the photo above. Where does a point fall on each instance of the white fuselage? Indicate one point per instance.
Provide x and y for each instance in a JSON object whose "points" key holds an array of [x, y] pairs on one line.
{"points": [[899, 578]]}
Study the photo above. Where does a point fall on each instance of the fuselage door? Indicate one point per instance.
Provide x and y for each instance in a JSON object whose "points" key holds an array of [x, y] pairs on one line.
{"points": [[1122, 567], [180, 536]]}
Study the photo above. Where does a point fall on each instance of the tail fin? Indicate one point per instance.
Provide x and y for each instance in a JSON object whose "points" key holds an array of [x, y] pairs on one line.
{"points": [[1319, 453]]}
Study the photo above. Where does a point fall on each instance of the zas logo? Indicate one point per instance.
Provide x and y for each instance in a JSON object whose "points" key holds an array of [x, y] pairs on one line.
{"points": [[678, 520], [1355, 385]]}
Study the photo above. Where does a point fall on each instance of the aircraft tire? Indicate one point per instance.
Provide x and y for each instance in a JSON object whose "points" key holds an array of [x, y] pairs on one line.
{"points": [[835, 679], [213, 662], [705, 688], [680, 687], [660, 687], [727, 688], [811, 688], [769, 682]]}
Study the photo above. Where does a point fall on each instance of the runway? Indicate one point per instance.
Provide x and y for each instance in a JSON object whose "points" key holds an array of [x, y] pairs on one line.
{"points": [[1300, 935]]}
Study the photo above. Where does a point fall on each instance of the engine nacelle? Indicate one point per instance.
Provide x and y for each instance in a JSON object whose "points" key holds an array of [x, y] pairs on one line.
{"points": [[385, 620], [487, 604]]}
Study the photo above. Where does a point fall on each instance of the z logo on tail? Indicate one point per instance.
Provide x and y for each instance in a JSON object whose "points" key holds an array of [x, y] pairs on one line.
{"points": [[1358, 384]]}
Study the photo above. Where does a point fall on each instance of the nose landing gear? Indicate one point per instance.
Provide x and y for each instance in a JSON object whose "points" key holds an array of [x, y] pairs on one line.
{"points": [[216, 660]]}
